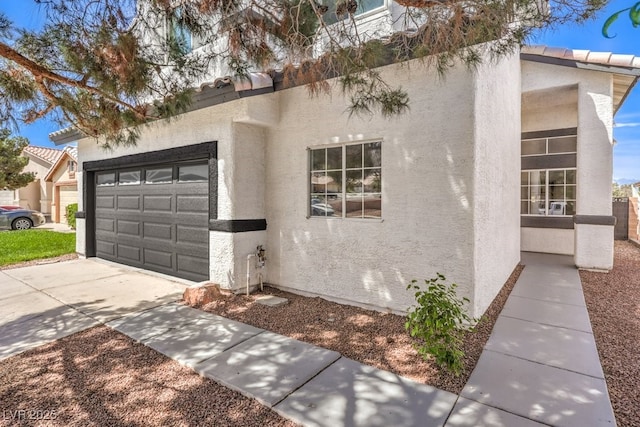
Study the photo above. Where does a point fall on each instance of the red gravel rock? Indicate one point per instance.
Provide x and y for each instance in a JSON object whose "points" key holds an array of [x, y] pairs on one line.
{"points": [[101, 378], [613, 302], [197, 296]]}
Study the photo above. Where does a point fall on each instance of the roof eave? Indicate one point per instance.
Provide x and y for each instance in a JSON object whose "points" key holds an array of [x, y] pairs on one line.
{"points": [[55, 166], [616, 69], [611, 69], [624, 97]]}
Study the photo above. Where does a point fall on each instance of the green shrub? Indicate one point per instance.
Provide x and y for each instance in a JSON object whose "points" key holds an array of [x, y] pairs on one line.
{"points": [[438, 321], [71, 214]]}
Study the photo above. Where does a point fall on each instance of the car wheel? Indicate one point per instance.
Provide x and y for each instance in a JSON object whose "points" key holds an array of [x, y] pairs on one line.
{"points": [[22, 224]]}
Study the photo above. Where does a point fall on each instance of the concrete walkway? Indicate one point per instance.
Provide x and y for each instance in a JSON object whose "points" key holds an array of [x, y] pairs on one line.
{"points": [[42, 303], [308, 384], [539, 367], [540, 362]]}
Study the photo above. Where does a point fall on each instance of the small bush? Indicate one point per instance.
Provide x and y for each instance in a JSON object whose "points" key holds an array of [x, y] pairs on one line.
{"points": [[439, 321], [71, 214]]}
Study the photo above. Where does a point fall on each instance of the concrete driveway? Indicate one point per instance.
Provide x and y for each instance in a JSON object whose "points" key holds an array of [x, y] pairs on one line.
{"points": [[42, 303]]}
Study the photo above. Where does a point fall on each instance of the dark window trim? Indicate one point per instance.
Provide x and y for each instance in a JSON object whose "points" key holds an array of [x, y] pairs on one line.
{"points": [[564, 222], [549, 133], [595, 219], [549, 161]]}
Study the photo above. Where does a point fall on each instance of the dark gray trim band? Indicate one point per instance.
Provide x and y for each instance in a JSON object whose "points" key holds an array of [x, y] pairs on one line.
{"points": [[237, 225], [595, 219], [171, 155], [81, 214], [549, 133], [563, 222], [553, 161]]}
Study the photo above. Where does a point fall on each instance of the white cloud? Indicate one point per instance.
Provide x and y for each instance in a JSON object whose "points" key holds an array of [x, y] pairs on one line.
{"points": [[626, 125]]}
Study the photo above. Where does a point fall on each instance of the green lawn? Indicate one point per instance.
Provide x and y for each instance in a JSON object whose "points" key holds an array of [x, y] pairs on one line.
{"points": [[26, 245]]}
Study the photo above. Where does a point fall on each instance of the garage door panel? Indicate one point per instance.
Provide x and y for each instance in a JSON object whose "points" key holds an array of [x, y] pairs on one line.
{"points": [[106, 248], [105, 224], [158, 258], [131, 253], [193, 204], [105, 201], [130, 228], [162, 226], [187, 234], [154, 230], [190, 264], [129, 202], [158, 203]]}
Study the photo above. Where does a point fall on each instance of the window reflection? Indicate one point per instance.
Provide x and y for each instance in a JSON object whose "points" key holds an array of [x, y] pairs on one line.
{"points": [[346, 181], [193, 173]]}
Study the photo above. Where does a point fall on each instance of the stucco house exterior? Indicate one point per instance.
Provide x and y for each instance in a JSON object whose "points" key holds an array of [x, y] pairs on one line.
{"points": [[514, 156], [54, 186], [62, 176], [37, 194]]}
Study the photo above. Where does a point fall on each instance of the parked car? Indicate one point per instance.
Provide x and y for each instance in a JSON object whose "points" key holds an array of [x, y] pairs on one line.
{"points": [[11, 208], [20, 219], [318, 208]]}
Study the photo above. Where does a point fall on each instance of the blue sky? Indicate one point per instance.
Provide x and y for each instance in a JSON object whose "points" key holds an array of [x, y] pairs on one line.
{"points": [[627, 131]]}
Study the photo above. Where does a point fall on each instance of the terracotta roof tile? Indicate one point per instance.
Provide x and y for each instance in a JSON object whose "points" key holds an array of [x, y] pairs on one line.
{"points": [[586, 56], [49, 155], [72, 151]]}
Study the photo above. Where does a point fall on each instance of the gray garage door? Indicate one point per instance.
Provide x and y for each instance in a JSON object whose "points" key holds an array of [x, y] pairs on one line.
{"points": [[155, 217]]}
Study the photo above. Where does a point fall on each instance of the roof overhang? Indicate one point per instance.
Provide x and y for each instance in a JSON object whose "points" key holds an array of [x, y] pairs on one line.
{"points": [[625, 69], [219, 91]]}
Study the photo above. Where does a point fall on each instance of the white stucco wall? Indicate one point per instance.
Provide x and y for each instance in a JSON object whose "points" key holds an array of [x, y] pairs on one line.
{"points": [[243, 161], [428, 160], [496, 188], [446, 165], [238, 126], [547, 240], [594, 153]]}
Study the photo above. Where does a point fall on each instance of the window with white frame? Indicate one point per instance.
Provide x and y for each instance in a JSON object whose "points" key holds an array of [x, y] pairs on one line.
{"points": [[548, 177], [548, 192], [340, 9], [346, 181]]}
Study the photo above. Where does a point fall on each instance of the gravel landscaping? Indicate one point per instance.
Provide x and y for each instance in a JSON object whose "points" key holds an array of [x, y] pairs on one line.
{"points": [[613, 301], [370, 337], [101, 378]]}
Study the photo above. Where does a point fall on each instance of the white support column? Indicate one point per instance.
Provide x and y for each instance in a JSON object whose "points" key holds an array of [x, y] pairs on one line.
{"points": [[593, 221]]}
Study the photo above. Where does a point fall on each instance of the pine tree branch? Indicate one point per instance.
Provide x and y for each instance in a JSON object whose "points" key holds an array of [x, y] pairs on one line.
{"points": [[40, 71]]}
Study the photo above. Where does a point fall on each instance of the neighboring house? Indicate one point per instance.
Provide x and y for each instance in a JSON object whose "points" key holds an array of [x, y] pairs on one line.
{"points": [[6, 197], [37, 194], [516, 155], [54, 186], [62, 176]]}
